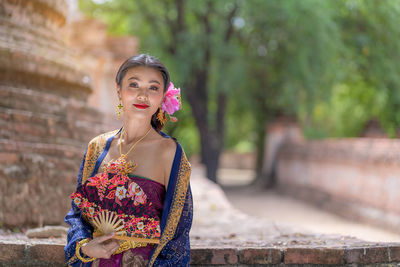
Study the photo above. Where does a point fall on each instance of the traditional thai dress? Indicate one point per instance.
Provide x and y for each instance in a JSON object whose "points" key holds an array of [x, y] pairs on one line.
{"points": [[153, 211]]}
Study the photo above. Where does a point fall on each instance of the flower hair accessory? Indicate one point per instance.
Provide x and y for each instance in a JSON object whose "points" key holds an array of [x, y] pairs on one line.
{"points": [[172, 101]]}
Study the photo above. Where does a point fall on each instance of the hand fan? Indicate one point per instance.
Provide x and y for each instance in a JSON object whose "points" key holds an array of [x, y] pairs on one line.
{"points": [[113, 202]]}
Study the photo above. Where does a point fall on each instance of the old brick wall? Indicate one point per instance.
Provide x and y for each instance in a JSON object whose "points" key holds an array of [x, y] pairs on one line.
{"points": [[44, 117], [357, 177], [100, 55], [279, 131], [47, 254]]}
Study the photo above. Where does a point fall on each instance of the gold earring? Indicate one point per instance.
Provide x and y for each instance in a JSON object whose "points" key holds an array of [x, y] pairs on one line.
{"points": [[119, 110], [161, 117]]}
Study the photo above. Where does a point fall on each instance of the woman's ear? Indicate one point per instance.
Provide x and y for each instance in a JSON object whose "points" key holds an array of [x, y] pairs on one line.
{"points": [[162, 99], [118, 90]]}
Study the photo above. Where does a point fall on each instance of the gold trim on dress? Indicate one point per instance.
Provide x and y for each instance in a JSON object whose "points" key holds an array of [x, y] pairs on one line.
{"points": [[95, 148], [176, 206], [126, 245]]}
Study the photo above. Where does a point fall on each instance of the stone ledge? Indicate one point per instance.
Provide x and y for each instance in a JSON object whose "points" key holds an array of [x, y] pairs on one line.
{"points": [[49, 254], [346, 150]]}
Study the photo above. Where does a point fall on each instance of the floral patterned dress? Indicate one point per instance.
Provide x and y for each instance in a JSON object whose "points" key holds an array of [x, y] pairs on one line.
{"points": [[136, 200]]}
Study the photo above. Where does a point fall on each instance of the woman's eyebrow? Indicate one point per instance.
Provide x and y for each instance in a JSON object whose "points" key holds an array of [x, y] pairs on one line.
{"points": [[155, 81], [136, 78]]}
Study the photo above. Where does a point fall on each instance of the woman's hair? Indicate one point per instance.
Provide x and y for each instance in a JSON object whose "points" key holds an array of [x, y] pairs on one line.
{"points": [[145, 60]]}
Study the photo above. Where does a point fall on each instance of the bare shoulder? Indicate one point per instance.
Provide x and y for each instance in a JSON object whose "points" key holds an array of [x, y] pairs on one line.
{"points": [[167, 154], [168, 149]]}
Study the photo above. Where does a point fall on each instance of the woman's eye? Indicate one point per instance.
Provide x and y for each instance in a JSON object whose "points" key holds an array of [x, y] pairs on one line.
{"points": [[154, 88], [133, 85]]}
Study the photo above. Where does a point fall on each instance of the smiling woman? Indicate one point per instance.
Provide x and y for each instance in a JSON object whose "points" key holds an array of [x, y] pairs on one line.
{"points": [[133, 203], [143, 90]]}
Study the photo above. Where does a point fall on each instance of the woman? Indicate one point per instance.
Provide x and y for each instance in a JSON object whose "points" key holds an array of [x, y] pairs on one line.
{"points": [[141, 173]]}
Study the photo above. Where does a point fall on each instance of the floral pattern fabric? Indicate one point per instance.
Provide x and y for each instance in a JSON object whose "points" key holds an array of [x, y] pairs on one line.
{"points": [[123, 196]]}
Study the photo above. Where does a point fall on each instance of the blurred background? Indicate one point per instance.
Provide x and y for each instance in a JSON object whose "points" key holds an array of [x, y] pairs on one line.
{"points": [[283, 101]]}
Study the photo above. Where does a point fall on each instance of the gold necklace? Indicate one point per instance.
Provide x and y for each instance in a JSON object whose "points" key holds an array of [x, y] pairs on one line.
{"points": [[120, 143], [122, 165]]}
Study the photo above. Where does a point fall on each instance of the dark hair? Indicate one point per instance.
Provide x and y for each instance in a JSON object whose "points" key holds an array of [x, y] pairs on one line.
{"points": [[145, 60]]}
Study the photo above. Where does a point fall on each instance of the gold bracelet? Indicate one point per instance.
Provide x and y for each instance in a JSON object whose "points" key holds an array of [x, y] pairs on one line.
{"points": [[78, 251]]}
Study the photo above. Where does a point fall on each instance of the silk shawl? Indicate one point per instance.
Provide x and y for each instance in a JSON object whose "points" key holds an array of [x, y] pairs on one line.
{"points": [[177, 215]]}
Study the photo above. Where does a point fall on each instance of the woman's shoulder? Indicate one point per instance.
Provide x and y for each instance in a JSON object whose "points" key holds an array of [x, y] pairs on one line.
{"points": [[172, 154], [167, 146], [172, 148]]}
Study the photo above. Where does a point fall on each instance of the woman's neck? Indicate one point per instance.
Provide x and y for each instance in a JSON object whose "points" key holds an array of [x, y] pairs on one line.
{"points": [[134, 129]]}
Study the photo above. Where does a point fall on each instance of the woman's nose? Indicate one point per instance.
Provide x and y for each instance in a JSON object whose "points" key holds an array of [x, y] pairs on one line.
{"points": [[142, 95]]}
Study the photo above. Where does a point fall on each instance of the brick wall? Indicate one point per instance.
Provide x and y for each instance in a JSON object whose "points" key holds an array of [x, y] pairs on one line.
{"points": [[45, 122], [47, 254], [100, 55], [357, 178]]}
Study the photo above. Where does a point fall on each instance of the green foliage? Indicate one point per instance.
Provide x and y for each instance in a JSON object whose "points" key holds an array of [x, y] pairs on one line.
{"points": [[332, 64], [185, 130], [349, 109], [182, 48], [293, 50], [369, 88]]}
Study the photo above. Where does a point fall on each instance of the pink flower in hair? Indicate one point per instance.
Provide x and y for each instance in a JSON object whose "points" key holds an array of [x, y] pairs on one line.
{"points": [[172, 100]]}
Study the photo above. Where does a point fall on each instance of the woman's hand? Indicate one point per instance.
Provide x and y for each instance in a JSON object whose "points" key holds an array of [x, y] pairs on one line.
{"points": [[101, 247]]}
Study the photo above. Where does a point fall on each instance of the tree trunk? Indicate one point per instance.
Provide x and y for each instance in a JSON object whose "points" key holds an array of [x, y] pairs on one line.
{"points": [[212, 158], [215, 141], [211, 140], [260, 143], [262, 117]]}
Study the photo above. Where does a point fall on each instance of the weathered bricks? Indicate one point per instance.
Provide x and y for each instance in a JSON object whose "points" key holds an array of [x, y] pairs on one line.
{"points": [[313, 256], [45, 120], [48, 254], [10, 251], [367, 255], [260, 256], [394, 253], [354, 178], [8, 158], [214, 256]]}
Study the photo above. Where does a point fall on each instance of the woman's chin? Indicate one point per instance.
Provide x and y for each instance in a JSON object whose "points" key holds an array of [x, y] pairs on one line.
{"points": [[138, 115]]}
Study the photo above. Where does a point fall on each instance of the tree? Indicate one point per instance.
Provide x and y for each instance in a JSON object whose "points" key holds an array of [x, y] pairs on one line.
{"points": [[196, 39], [331, 64], [293, 50]]}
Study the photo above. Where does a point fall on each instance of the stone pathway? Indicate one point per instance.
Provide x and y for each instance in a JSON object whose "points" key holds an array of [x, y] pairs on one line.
{"points": [[270, 205], [278, 208], [218, 222]]}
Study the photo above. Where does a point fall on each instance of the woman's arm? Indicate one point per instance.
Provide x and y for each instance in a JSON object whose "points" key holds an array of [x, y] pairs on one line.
{"points": [[79, 228]]}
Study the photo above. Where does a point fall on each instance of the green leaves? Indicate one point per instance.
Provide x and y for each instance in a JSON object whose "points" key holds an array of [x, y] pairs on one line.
{"points": [[332, 64]]}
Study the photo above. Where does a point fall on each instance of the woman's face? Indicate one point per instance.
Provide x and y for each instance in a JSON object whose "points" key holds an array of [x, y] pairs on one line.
{"points": [[141, 92]]}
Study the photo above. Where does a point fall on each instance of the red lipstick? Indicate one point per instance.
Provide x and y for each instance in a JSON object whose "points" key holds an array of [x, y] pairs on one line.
{"points": [[141, 106]]}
